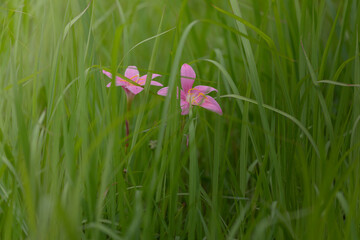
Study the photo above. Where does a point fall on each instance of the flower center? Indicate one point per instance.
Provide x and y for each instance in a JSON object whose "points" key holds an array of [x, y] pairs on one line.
{"points": [[195, 97], [135, 76]]}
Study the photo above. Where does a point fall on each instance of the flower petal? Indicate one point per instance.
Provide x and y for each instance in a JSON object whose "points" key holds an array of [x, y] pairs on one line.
{"points": [[182, 95], [109, 75], [155, 83], [184, 107], [118, 82], [154, 75], [205, 89], [132, 73], [163, 91], [141, 80], [134, 89], [187, 77], [209, 103]]}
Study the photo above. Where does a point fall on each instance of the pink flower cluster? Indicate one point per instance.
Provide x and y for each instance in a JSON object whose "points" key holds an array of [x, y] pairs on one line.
{"points": [[189, 95]]}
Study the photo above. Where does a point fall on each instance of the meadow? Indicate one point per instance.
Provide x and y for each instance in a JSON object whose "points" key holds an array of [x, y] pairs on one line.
{"points": [[78, 161]]}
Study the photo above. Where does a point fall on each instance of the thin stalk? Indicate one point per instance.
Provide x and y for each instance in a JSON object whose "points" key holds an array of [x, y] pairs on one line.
{"points": [[129, 174], [128, 108], [194, 196]]}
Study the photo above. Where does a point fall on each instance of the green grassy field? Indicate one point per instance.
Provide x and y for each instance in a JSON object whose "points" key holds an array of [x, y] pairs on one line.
{"points": [[282, 162]]}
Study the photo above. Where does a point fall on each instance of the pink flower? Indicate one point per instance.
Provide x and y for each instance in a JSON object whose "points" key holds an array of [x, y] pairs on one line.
{"points": [[193, 95], [133, 74]]}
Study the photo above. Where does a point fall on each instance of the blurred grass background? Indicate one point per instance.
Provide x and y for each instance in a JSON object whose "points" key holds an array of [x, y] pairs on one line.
{"points": [[281, 163]]}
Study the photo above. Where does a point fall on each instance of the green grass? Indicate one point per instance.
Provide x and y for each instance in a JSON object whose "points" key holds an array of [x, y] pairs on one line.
{"points": [[282, 162]]}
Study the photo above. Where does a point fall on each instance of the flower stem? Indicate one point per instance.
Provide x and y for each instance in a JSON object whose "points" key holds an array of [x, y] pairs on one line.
{"points": [[129, 101], [127, 133], [194, 184]]}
